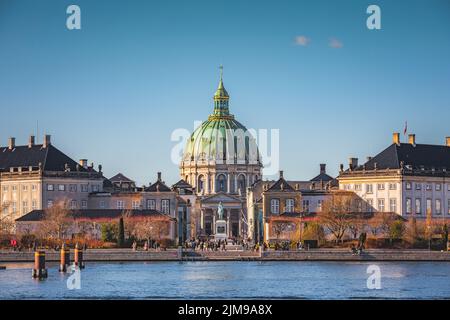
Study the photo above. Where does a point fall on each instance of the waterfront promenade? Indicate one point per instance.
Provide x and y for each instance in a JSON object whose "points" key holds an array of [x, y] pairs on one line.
{"points": [[117, 255]]}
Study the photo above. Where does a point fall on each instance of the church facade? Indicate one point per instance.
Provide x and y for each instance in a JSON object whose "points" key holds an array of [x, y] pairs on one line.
{"points": [[220, 161]]}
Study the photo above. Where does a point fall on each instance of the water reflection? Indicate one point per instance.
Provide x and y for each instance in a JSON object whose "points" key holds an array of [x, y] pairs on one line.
{"points": [[193, 280]]}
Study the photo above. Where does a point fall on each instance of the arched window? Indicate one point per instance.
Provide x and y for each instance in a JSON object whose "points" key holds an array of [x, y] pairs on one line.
{"points": [[200, 183], [241, 183], [221, 183]]}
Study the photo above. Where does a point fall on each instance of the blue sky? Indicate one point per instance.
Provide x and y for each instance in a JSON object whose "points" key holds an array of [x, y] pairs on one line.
{"points": [[114, 91]]}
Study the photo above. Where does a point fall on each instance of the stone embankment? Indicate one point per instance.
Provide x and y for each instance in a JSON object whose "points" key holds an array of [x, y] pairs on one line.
{"points": [[236, 255]]}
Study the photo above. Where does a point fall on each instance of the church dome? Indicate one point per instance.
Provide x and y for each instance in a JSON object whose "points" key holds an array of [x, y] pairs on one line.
{"points": [[221, 138]]}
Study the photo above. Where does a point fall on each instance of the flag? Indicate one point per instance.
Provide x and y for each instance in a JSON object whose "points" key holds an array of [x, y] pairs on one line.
{"points": [[406, 128]]}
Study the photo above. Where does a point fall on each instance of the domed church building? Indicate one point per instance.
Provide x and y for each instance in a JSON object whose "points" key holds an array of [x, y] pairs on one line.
{"points": [[220, 161]]}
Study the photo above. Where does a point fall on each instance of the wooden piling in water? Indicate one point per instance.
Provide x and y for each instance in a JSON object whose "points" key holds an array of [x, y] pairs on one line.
{"points": [[78, 257], [39, 270], [64, 259]]}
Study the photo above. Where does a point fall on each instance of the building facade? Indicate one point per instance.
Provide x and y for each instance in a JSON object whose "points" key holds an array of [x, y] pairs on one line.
{"points": [[409, 179], [35, 176]]}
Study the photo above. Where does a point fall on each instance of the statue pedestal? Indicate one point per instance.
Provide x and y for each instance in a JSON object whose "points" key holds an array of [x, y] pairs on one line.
{"points": [[221, 230]]}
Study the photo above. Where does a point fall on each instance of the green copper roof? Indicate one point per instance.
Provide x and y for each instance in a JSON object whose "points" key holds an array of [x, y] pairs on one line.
{"points": [[221, 136]]}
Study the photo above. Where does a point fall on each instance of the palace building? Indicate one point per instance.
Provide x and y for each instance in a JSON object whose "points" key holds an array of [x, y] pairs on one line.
{"points": [[409, 179], [220, 161]]}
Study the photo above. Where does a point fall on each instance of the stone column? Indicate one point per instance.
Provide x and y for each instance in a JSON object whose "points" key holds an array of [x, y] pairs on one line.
{"points": [[228, 222], [229, 183], [235, 183], [240, 223], [207, 183], [214, 223], [202, 219]]}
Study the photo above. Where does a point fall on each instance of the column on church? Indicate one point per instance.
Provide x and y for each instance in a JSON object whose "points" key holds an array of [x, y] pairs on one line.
{"points": [[235, 183], [229, 183], [214, 223], [207, 183], [228, 222], [240, 223], [202, 219]]}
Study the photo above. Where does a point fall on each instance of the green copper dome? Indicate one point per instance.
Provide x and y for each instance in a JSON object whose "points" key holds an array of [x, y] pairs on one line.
{"points": [[221, 137]]}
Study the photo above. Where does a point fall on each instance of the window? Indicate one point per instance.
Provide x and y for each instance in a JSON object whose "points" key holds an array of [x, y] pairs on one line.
{"points": [[95, 188], [380, 186], [24, 187], [120, 204], [305, 205], [438, 206], [347, 187], [165, 206], [369, 205], [49, 203], [151, 204], [393, 205], [358, 187], [14, 207], [418, 206], [24, 207], [408, 206], [84, 204], [381, 205], [289, 205], [135, 204], [429, 209], [369, 188], [73, 204], [428, 187], [448, 187], [84, 188], [33, 205], [408, 186], [61, 187], [392, 186], [418, 186], [14, 188], [5, 188], [33, 187], [73, 188], [5, 207], [448, 206], [102, 204], [319, 205], [50, 187], [275, 206], [438, 187]]}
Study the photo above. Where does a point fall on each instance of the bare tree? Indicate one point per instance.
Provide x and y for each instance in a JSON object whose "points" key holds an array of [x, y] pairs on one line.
{"points": [[6, 219], [57, 220], [279, 227], [337, 213]]}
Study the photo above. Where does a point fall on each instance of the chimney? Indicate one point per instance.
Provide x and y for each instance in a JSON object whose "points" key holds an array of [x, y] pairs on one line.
{"points": [[447, 141], [159, 176], [412, 139], [369, 158], [11, 143], [281, 174], [322, 168], [47, 141], [352, 163], [83, 163], [31, 141], [396, 138]]}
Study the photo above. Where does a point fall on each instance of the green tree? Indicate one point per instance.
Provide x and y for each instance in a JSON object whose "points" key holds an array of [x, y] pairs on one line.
{"points": [[109, 232], [121, 234], [396, 230]]}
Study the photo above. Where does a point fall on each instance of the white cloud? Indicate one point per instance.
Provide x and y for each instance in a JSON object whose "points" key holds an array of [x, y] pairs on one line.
{"points": [[302, 41], [335, 43]]}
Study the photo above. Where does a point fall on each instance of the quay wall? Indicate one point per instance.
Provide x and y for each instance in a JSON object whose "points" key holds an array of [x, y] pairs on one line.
{"points": [[104, 255]]}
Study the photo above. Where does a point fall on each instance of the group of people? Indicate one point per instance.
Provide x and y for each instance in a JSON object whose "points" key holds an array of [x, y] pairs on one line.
{"points": [[206, 245], [147, 245]]}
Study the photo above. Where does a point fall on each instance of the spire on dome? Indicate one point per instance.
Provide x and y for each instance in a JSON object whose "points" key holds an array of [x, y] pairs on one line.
{"points": [[221, 97]]}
